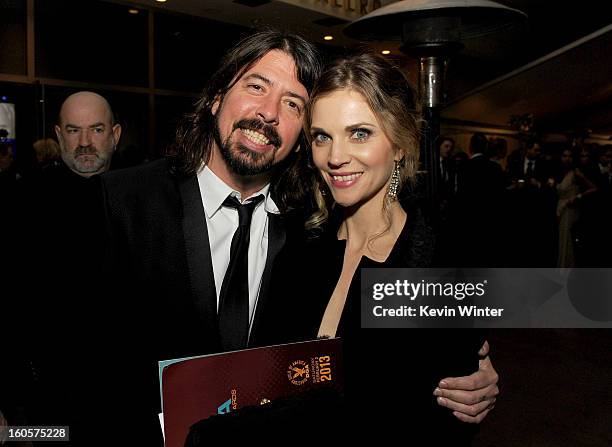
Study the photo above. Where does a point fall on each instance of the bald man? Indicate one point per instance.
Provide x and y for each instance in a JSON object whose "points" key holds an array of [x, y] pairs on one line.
{"points": [[87, 133], [57, 277]]}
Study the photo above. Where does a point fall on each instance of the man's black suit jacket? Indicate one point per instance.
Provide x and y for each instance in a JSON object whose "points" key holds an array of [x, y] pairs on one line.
{"points": [[161, 294], [542, 169], [482, 178], [478, 217]]}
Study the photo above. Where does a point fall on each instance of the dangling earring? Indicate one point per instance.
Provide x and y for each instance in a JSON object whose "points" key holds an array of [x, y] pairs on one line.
{"points": [[394, 184]]}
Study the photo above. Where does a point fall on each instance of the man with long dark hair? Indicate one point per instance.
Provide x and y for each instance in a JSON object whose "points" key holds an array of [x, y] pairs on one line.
{"points": [[193, 237]]}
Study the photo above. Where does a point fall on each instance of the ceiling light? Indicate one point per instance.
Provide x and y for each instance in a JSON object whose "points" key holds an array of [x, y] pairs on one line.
{"points": [[386, 52], [161, 1], [328, 37], [133, 11]]}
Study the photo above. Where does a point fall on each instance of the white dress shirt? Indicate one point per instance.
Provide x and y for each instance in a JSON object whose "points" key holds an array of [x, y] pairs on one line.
{"points": [[526, 165], [222, 223]]}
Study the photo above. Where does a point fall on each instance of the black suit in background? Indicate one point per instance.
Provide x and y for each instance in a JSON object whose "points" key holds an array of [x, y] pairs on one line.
{"points": [[447, 173], [474, 233], [542, 169], [481, 178], [532, 222], [448, 186], [54, 301]]}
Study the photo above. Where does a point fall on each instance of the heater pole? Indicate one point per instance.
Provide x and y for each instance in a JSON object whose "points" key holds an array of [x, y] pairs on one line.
{"points": [[431, 92]]}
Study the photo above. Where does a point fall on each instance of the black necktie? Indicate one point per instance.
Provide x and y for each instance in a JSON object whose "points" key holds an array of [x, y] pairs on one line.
{"points": [[234, 296]]}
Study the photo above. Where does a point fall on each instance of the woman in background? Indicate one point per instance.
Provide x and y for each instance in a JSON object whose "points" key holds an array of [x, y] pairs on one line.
{"points": [[573, 186]]}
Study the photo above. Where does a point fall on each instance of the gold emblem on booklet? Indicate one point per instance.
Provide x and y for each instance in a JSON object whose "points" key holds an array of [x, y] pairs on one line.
{"points": [[318, 370], [298, 372]]}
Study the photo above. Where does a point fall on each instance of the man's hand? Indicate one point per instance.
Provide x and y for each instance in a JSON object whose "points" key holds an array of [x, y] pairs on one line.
{"points": [[471, 397]]}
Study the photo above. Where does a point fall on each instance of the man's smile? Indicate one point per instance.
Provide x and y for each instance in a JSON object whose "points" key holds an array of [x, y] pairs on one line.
{"points": [[255, 137]]}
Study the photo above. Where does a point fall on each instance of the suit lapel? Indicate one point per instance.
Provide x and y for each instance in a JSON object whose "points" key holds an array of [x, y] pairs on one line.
{"points": [[276, 241], [199, 259]]}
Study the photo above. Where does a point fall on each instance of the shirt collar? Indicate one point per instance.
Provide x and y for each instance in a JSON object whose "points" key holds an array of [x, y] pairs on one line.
{"points": [[214, 191]]}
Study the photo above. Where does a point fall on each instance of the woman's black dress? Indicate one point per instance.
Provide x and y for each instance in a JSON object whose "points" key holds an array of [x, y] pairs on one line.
{"points": [[390, 374]]}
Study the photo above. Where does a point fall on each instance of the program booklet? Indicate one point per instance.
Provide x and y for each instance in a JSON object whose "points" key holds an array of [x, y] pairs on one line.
{"points": [[195, 388]]}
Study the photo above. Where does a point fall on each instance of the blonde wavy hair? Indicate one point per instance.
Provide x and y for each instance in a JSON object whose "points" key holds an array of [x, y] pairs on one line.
{"points": [[393, 102]]}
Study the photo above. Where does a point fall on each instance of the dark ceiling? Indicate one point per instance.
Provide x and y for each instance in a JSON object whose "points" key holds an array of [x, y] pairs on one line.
{"points": [[566, 91], [551, 25], [569, 90]]}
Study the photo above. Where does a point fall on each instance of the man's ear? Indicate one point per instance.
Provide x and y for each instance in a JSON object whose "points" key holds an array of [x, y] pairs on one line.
{"points": [[116, 134], [215, 105], [60, 138]]}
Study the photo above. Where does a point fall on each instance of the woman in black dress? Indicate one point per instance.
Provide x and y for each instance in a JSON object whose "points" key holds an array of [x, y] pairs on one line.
{"points": [[363, 127]]}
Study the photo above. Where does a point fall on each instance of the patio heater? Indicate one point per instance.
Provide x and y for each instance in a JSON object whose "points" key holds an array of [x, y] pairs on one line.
{"points": [[432, 31]]}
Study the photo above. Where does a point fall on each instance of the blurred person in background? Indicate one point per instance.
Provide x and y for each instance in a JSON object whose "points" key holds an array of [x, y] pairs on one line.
{"points": [[447, 174], [572, 188], [604, 159], [445, 147], [481, 201], [498, 150], [48, 153], [525, 167], [8, 171]]}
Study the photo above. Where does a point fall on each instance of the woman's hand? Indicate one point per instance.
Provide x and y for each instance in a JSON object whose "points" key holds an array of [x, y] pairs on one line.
{"points": [[471, 397]]}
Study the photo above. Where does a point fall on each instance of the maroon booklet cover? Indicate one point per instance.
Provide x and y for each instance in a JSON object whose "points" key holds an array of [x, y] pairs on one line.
{"points": [[195, 388]]}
